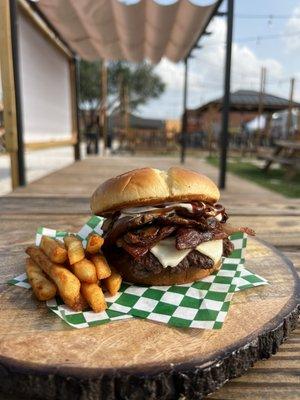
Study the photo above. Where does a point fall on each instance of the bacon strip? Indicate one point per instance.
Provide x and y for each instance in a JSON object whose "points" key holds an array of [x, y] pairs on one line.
{"points": [[187, 238], [230, 229]]}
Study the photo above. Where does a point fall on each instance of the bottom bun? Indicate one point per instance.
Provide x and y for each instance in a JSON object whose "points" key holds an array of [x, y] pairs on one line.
{"points": [[164, 278]]}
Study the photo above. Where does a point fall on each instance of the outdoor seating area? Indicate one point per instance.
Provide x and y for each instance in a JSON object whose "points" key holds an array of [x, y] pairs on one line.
{"points": [[287, 154], [149, 200]]}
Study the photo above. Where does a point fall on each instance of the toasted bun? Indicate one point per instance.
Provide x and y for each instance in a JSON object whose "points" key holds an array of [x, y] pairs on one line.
{"points": [[165, 278], [149, 186]]}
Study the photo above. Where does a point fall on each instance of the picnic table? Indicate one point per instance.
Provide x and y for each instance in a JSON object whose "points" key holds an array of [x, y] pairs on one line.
{"points": [[287, 154], [61, 201]]}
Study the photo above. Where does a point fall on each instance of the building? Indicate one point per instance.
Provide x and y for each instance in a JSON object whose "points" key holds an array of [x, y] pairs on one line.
{"points": [[205, 121], [136, 133]]}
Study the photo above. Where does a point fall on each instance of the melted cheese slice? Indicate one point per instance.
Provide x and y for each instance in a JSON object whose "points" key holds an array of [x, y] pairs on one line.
{"points": [[167, 254], [213, 249]]}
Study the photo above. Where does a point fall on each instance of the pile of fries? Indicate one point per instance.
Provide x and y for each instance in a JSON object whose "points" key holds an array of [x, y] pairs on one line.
{"points": [[78, 275]]}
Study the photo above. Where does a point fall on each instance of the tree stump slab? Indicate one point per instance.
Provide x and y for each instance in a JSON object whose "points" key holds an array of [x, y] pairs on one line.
{"points": [[43, 358]]}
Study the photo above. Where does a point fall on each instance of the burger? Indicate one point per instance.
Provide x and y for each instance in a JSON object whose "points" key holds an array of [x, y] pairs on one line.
{"points": [[163, 227]]}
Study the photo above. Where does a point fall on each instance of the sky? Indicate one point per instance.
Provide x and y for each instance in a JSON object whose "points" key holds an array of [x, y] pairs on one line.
{"points": [[280, 55]]}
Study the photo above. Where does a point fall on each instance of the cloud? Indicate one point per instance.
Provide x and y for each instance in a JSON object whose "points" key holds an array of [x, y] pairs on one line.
{"points": [[293, 27], [205, 79]]}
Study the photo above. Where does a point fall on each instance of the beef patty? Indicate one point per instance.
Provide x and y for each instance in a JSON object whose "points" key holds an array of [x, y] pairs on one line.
{"points": [[150, 265]]}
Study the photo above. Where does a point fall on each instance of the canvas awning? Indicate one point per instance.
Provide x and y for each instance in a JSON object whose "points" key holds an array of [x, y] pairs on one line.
{"points": [[112, 30]]}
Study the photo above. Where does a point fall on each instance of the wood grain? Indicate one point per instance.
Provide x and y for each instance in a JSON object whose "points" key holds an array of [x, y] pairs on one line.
{"points": [[141, 351], [276, 378], [60, 200]]}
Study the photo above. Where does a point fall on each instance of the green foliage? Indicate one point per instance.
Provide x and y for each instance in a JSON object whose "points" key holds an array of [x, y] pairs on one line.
{"points": [[139, 81], [89, 84], [274, 179]]}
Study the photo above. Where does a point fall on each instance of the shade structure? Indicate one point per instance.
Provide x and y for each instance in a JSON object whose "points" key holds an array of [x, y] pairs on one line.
{"points": [[112, 30], [247, 100]]}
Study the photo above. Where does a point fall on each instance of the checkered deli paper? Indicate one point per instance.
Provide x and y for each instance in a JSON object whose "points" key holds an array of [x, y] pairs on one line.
{"points": [[203, 304]]}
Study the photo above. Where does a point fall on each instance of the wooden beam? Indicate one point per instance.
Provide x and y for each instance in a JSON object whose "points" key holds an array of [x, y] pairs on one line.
{"points": [[10, 85], [74, 79], [50, 144], [291, 99], [126, 110], [262, 91], [40, 24]]}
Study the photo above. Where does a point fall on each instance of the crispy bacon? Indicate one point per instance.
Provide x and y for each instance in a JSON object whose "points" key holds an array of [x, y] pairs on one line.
{"points": [[230, 229], [137, 233], [148, 236], [135, 251], [187, 238], [139, 243]]}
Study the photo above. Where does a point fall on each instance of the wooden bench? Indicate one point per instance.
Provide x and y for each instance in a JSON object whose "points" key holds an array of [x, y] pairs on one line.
{"points": [[286, 153]]}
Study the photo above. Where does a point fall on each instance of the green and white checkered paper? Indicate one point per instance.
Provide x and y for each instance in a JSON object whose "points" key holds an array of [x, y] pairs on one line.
{"points": [[203, 304]]}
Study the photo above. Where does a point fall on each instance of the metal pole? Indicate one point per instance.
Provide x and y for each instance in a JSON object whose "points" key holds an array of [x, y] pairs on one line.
{"points": [[77, 154], [104, 104], [184, 115], [18, 101], [226, 100]]}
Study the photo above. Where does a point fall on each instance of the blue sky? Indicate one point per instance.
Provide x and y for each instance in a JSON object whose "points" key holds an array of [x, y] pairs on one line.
{"points": [[280, 55]]}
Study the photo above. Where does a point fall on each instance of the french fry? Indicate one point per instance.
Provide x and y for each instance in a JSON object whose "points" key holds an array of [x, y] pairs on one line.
{"points": [[113, 282], [41, 286], [94, 243], [102, 268], [82, 303], [94, 296], [54, 250], [75, 249], [85, 271], [68, 284]]}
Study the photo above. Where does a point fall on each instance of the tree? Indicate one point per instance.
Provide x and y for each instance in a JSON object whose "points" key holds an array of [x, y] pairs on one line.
{"points": [[89, 84], [139, 81]]}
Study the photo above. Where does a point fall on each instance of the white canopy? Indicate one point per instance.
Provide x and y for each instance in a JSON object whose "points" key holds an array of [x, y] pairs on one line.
{"points": [[112, 30]]}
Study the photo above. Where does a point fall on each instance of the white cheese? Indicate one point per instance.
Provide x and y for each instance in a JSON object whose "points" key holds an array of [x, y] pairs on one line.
{"points": [[219, 217], [167, 254], [212, 249]]}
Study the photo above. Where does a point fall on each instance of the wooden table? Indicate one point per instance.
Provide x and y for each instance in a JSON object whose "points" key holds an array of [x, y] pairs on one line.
{"points": [[287, 154], [60, 200]]}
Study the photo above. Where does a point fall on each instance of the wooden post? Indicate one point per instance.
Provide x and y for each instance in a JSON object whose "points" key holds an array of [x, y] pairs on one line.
{"points": [[103, 107], [74, 76], [210, 116], [262, 90], [11, 91], [126, 111], [298, 124], [289, 116]]}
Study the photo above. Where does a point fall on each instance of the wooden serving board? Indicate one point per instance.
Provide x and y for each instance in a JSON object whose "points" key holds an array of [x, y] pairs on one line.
{"points": [[43, 358]]}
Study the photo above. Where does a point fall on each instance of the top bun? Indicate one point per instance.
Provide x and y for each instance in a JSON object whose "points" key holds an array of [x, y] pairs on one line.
{"points": [[150, 186]]}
